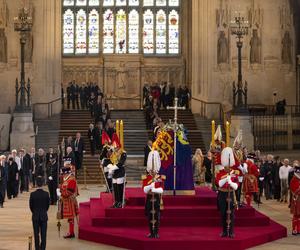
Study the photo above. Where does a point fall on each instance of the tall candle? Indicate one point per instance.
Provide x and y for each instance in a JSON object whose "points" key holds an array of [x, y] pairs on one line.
{"points": [[118, 129], [213, 131], [122, 134], [227, 134]]}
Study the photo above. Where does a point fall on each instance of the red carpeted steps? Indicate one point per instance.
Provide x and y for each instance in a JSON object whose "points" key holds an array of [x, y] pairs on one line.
{"points": [[186, 222]]}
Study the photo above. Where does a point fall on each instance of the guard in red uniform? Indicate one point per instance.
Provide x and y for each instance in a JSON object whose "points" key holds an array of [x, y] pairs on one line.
{"points": [[217, 149], [250, 183], [68, 192], [153, 187], [227, 182], [295, 203]]}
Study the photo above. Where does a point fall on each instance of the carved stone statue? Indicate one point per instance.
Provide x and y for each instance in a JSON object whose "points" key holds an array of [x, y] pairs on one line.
{"points": [[28, 48], [255, 44], [222, 48], [286, 54], [3, 46]]}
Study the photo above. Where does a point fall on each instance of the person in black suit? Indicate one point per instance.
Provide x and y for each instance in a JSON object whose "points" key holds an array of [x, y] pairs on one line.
{"points": [[39, 203], [3, 179], [25, 170], [52, 178], [147, 150], [12, 178], [92, 138], [78, 150]]}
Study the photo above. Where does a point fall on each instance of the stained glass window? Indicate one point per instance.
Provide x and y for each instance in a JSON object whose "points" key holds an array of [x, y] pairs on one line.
{"points": [[108, 31], [121, 2], [148, 2], [81, 2], [161, 2], [133, 2], [94, 32], [108, 2], [121, 32], [173, 32], [121, 26], [94, 2], [68, 2], [173, 2], [133, 30], [148, 32], [68, 32], [161, 32], [80, 41]]}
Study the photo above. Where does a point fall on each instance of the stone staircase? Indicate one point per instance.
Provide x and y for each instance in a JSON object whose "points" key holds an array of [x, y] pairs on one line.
{"points": [[48, 131]]}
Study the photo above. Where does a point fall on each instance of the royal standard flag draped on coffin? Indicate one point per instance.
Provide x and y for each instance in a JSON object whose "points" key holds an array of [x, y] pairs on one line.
{"points": [[184, 169]]}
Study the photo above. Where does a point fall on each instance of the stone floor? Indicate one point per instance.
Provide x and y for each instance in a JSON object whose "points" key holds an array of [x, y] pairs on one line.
{"points": [[15, 226]]}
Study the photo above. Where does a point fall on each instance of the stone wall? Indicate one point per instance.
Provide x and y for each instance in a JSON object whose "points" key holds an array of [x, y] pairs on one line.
{"points": [[44, 68], [265, 68]]}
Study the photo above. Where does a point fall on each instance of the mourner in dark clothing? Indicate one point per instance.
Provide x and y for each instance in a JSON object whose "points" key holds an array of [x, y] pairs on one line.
{"points": [[25, 170], [267, 170], [82, 97], [69, 96], [98, 136], [92, 138], [276, 179], [3, 179], [39, 204], [12, 178], [208, 171], [40, 164], [78, 151]]}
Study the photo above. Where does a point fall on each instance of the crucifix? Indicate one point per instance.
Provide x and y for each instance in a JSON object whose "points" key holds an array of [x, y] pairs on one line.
{"points": [[175, 129]]}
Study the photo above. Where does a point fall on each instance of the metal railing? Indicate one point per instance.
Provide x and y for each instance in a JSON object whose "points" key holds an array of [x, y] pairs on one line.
{"points": [[206, 106], [49, 107], [275, 130]]}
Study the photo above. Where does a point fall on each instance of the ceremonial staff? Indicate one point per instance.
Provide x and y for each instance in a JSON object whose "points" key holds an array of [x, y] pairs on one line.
{"points": [[153, 221], [175, 108], [228, 203], [58, 215]]}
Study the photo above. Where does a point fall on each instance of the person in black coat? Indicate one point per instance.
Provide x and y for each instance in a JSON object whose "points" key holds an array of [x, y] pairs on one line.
{"points": [[2, 181], [69, 95], [39, 204], [25, 170], [92, 138], [40, 163], [52, 178], [147, 150], [12, 178], [98, 136], [78, 151]]}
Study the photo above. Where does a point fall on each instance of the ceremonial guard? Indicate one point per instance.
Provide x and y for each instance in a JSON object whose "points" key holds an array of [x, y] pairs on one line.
{"points": [[216, 149], [227, 182], [250, 183], [52, 177], [295, 202], [117, 170], [68, 191], [105, 161], [153, 186]]}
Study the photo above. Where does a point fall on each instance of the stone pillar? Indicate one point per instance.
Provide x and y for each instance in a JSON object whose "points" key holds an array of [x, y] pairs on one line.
{"points": [[46, 85], [244, 123], [22, 132]]}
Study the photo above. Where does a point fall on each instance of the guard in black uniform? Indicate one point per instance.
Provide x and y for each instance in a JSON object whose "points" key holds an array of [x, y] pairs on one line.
{"points": [[52, 178], [118, 157], [105, 161]]}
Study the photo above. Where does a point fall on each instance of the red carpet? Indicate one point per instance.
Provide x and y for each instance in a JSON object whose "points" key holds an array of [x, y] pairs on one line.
{"points": [[190, 222]]}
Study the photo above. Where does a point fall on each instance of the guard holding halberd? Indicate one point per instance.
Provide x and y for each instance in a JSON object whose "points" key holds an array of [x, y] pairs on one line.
{"points": [[153, 186], [227, 182]]}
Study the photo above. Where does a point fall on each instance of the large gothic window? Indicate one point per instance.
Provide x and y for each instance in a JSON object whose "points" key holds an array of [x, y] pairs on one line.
{"points": [[93, 27]]}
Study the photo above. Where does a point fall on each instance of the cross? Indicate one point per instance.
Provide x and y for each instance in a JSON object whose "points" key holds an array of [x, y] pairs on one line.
{"points": [[175, 128]]}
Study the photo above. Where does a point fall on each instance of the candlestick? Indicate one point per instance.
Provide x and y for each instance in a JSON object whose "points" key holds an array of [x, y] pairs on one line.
{"points": [[213, 131], [227, 134], [118, 129], [122, 134]]}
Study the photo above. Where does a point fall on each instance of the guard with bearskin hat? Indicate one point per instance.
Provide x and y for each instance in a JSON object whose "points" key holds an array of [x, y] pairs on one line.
{"points": [[67, 193], [117, 170], [250, 183], [153, 187], [227, 182], [295, 199]]}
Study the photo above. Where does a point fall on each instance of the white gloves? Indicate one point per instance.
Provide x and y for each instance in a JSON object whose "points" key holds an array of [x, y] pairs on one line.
{"points": [[261, 178], [222, 182], [58, 192], [153, 185], [50, 178], [147, 189], [157, 190]]}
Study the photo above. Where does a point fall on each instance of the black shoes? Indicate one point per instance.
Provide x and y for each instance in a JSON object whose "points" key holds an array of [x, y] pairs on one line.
{"points": [[224, 234], [153, 236]]}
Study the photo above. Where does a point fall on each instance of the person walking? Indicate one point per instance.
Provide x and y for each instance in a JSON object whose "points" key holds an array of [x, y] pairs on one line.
{"points": [[284, 176], [39, 203]]}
